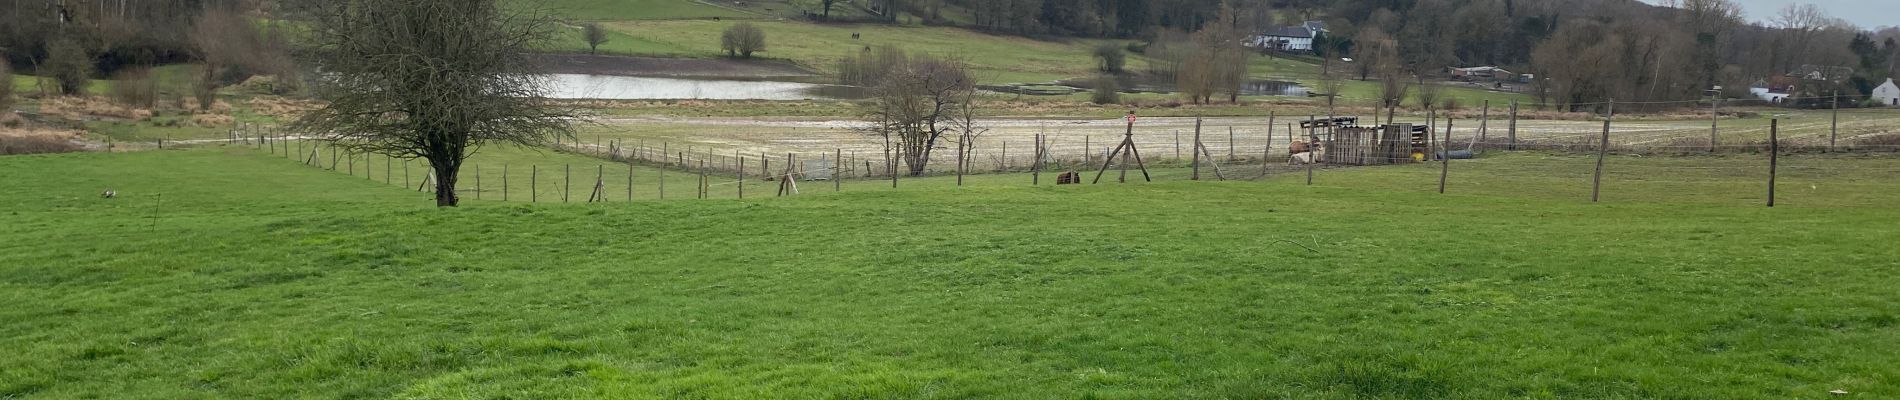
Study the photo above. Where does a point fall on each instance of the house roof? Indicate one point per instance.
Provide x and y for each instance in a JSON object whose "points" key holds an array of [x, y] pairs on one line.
{"points": [[1484, 69], [1290, 32]]}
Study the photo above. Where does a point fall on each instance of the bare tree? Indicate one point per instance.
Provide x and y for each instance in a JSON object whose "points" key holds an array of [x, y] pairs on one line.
{"points": [[431, 79], [917, 103], [1800, 24], [742, 39], [232, 48], [1331, 83], [595, 36], [1428, 93]]}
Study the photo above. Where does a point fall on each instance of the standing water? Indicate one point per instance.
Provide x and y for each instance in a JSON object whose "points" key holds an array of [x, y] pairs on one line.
{"points": [[607, 87]]}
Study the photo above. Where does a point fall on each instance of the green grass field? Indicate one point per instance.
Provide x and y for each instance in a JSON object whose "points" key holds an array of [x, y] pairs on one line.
{"points": [[227, 272], [627, 10]]}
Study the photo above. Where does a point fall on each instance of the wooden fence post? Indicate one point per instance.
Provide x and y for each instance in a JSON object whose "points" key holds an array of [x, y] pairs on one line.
{"points": [[1774, 156], [1035, 165], [504, 182], [1195, 153], [1266, 154], [963, 143], [567, 180], [1484, 126], [1834, 130], [1230, 144], [1603, 149], [1005, 156], [478, 182], [534, 183], [1444, 168], [1311, 150], [742, 178], [1513, 125], [837, 171]]}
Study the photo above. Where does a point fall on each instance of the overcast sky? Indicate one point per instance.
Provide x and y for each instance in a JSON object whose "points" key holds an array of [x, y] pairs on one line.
{"points": [[1869, 14]]}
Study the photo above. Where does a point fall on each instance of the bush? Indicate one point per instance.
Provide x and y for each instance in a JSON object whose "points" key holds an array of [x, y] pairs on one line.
{"points": [[6, 85], [1107, 91], [742, 39], [37, 144], [135, 87], [1110, 58], [69, 65], [1450, 104], [1885, 141]]}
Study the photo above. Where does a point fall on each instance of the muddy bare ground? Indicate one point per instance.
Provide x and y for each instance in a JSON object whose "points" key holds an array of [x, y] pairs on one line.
{"points": [[1163, 137], [670, 67]]}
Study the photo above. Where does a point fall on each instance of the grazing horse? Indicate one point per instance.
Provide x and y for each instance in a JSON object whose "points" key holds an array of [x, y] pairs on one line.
{"points": [[1069, 178]]}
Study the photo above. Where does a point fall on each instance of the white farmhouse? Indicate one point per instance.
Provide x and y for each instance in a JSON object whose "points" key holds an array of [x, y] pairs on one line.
{"points": [[1888, 94], [1288, 38]]}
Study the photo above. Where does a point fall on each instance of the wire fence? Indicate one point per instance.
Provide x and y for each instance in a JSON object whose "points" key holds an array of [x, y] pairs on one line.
{"points": [[1462, 149]]}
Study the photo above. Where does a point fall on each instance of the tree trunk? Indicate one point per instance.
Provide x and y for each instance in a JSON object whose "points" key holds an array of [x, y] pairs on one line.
{"points": [[445, 172]]}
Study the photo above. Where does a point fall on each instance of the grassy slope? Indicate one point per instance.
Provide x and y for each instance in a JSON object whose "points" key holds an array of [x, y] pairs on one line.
{"points": [[625, 10], [173, 81], [681, 28], [999, 58], [260, 279]]}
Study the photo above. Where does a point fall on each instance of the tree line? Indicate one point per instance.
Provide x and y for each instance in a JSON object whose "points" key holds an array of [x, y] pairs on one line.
{"points": [[1626, 50], [73, 41]]}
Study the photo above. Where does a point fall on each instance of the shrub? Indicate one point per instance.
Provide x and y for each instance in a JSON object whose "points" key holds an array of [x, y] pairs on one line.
{"points": [[6, 85], [205, 90], [135, 87], [868, 68], [742, 39], [1107, 91], [69, 65], [1886, 142], [1110, 58], [37, 143]]}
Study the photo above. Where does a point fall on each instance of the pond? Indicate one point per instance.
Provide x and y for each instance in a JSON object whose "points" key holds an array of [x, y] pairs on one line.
{"points": [[608, 87]]}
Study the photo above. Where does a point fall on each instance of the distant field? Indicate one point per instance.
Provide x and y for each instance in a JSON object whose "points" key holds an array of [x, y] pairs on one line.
{"points": [[996, 58], [224, 272], [626, 10]]}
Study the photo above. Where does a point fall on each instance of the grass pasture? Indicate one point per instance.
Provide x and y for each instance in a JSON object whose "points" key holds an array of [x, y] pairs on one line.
{"points": [[628, 10], [225, 272]]}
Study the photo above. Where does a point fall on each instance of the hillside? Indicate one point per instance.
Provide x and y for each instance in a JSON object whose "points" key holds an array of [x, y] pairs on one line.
{"points": [[229, 273]]}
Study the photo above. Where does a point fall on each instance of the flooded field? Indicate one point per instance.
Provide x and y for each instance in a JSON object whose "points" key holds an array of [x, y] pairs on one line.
{"points": [[609, 87]]}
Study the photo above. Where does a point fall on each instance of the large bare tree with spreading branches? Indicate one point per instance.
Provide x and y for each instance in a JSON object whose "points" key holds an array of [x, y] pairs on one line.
{"points": [[916, 102], [430, 79]]}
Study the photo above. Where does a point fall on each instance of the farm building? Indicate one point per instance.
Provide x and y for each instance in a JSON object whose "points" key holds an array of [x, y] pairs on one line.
{"points": [[1289, 38], [1486, 73], [1888, 94], [1774, 90]]}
